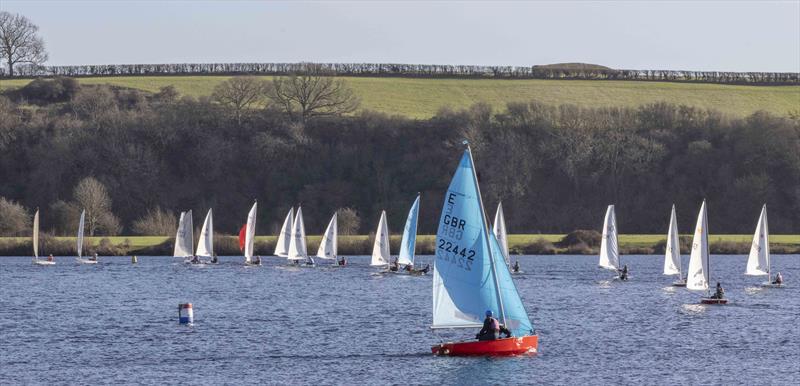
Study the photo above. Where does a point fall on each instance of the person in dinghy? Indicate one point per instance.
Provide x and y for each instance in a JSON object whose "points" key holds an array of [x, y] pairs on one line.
{"points": [[623, 273], [719, 293], [778, 279], [214, 259], [94, 257], [515, 268], [492, 328]]}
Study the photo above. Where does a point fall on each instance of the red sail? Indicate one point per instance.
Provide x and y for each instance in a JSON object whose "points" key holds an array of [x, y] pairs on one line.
{"points": [[242, 233]]}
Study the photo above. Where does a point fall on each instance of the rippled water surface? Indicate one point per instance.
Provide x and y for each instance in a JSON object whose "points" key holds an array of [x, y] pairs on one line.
{"points": [[117, 323]]}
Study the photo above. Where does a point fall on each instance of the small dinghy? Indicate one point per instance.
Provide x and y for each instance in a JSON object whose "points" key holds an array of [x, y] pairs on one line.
{"points": [[759, 260], [609, 251], [298, 250], [205, 246], [470, 276], [79, 248], [672, 256], [247, 237], [184, 239], [282, 246], [699, 270], [35, 240], [408, 243], [380, 249]]}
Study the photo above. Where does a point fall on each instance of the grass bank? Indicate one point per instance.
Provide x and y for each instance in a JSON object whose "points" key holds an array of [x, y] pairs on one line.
{"points": [[362, 245], [422, 98]]}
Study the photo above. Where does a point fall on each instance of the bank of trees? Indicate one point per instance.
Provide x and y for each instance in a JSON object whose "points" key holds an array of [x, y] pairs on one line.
{"points": [[554, 167]]}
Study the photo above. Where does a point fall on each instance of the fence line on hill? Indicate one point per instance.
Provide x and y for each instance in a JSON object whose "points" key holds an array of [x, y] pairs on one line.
{"points": [[407, 70]]}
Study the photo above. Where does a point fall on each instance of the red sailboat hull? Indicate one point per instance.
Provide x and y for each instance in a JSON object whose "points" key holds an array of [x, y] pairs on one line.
{"points": [[500, 347]]}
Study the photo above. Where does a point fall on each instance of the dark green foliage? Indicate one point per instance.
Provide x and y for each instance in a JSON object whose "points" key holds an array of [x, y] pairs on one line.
{"points": [[589, 238], [556, 168], [50, 90]]}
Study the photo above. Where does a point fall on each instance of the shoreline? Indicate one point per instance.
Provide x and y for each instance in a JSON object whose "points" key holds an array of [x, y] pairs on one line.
{"points": [[519, 244]]}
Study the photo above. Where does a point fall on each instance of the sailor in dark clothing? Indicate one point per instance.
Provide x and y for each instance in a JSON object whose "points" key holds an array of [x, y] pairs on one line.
{"points": [[214, 259], [426, 269], [195, 260], [719, 293], [778, 279], [623, 273], [491, 328], [516, 266], [342, 261], [408, 268], [394, 267]]}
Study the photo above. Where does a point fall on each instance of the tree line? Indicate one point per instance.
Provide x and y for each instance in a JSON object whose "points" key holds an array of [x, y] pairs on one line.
{"points": [[408, 70], [555, 168]]}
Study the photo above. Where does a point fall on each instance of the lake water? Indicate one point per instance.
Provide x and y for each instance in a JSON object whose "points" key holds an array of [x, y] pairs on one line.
{"points": [[117, 323]]}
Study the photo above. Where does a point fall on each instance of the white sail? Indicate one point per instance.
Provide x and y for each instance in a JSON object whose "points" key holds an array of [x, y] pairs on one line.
{"points": [[408, 242], [297, 244], [205, 246], [380, 250], [672, 257], [758, 262], [282, 247], [500, 233], [80, 233], [184, 238], [327, 246], [250, 233], [609, 255], [36, 234], [697, 273]]}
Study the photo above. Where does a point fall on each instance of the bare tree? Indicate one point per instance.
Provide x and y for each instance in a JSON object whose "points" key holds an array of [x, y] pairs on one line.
{"points": [[14, 220], [240, 93], [312, 94], [348, 221], [19, 42], [157, 222], [91, 195]]}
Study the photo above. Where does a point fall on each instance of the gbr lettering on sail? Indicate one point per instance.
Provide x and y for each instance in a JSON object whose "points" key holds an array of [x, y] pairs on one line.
{"points": [[450, 246]]}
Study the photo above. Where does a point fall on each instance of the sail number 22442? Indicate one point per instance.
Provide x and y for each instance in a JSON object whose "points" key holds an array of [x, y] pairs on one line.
{"points": [[452, 230]]}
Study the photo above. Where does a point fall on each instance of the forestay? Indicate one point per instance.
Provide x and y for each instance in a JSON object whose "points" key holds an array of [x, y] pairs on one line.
{"points": [[409, 240], [80, 234], [500, 233], [297, 245], [697, 273], [467, 276], [380, 249], [250, 233], [328, 245], [285, 237], [758, 262], [184, 238], [205, 246], [609, 255], [672, 257]]}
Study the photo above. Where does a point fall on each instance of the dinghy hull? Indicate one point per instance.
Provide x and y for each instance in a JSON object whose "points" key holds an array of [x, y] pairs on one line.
{"points": [[679, 284], [43, 262], [713, 301], [500, 347]]}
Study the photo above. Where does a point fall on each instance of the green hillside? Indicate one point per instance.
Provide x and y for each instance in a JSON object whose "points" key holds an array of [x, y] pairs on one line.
{"points": [[422, 98]]}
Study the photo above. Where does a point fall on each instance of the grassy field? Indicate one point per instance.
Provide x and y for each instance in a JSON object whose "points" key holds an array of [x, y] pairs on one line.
{"points": [[422, 98], [361, 244]]}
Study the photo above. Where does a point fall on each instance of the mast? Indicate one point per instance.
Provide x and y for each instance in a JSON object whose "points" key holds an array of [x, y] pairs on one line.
{"points": [[486, 234], [766, 245], [708, 250]]}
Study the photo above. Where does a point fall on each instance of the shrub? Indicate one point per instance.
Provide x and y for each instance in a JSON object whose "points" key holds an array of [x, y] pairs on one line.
{"points": [[50, 90], [14, 219], [156, 222], [589, 238]]}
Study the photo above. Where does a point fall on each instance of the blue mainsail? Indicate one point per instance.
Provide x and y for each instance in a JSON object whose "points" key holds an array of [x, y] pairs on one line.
{"points": [[466, 272], [409, 240]]}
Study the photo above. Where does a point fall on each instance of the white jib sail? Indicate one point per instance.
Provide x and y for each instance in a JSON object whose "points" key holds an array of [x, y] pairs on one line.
{"points": [[609, 255], [500, 233], [80, 233], [35, 235], [297, 245], [697, 273], [327, 246], [672, 257], [758, 262], [380, 250], [250, 233], [282, 247], [205, 246]]}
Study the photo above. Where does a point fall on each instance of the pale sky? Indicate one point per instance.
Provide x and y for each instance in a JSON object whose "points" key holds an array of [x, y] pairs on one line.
{"points": [[680, 35]]}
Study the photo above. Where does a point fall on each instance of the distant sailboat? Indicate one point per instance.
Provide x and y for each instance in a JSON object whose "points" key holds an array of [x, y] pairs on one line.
{"points": [[609, 252], [409, 241], [380, 249], [758, 263], [247, 239], [328, 245], [500, 232], [297, 245], [79, 246], [205, 246], [699, 271], [184, 238], [672, 257], [469, 276], [285, 237], [35, 240]]}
